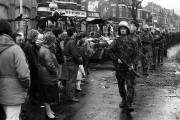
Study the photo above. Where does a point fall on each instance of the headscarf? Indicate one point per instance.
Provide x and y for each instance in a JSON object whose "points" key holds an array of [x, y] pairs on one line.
{"points": [[32, 34], [40, 40], [64, 36], [49, 38]]}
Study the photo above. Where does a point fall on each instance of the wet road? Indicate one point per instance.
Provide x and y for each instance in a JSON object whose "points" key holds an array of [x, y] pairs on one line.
{"points": [[159, 101], [100, 100]]}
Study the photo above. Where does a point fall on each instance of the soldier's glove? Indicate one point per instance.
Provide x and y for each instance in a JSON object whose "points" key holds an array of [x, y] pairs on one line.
{"points": [[131, 68], [119, 61]]}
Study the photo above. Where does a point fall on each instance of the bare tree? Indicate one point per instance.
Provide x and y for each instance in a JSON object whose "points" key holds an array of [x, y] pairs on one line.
{"points": [[133, 6]]}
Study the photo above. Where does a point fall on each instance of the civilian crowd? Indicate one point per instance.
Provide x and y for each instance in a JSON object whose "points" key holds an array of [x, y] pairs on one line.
{"points": [[38, 65]]}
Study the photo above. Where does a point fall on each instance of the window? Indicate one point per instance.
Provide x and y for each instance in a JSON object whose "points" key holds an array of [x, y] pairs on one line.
{"points": [[139, 14], [120, 11], [123, 11], [127, 13], [3, 12], [83, 3], [83, 8], [78, 1], [114, 11]]}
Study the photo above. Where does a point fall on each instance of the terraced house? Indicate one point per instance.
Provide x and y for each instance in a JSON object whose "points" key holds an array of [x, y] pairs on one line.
{"points": [[162, 17]]}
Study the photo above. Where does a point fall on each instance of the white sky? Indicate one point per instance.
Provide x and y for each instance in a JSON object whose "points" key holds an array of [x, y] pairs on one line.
{"points": [[169, 4]]}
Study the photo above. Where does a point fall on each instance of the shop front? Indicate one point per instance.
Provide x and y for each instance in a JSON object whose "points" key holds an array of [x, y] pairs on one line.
{"points": [[93, 22], [77, 17], [64, 21]]}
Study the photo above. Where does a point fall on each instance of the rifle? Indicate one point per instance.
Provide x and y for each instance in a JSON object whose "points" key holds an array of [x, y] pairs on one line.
{"points": [[128, 67]]}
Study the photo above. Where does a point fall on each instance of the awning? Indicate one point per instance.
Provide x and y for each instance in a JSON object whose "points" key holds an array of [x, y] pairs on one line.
{"points": [[95, 21]]}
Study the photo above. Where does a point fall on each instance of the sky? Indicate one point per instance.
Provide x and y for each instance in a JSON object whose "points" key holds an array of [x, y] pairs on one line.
{"points": [[169, 4]]}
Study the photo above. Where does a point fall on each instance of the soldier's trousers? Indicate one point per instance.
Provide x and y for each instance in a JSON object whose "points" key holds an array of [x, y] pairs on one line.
{"points": [[160, 55], [155, 55], [145, 61], [125, 84], [165, 50], [136, 61]]}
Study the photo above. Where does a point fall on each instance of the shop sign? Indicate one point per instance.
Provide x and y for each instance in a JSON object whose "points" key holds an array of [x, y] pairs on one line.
{"points": [[73, 13], [93, 14]]}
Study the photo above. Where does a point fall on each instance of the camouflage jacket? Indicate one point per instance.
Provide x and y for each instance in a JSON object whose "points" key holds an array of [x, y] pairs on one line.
{"points": [[158, 40], [136, 38], [146, 37], [122, 48]]}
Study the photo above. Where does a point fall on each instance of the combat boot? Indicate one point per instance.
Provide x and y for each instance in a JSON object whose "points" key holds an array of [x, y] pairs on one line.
{"points": [[145, 72], [153, 67], [123, 103], [129, 108]]}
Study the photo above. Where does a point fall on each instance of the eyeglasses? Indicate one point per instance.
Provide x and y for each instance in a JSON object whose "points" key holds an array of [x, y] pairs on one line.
{"points": [[20, 40]]}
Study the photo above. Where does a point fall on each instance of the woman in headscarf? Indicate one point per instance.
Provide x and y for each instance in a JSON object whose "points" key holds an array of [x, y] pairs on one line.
{"points": [[31, 51], [48, 74]]}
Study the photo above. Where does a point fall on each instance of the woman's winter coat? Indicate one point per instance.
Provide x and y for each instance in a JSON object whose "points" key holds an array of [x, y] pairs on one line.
{"points": [[48, 66], [14, 72]]}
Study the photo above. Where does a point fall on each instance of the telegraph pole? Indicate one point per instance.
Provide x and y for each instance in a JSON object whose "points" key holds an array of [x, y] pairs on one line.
{"points": [[21, 12], [21, 7]]}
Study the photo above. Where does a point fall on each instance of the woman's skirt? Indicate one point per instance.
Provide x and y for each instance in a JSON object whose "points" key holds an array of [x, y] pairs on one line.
{"points": [[49, 93]]}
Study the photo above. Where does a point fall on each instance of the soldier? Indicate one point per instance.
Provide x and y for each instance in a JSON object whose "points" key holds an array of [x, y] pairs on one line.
{"points": [[166, 42], [123, 49], [160, 38], [157, 48], [147, 40], [136, 38]]}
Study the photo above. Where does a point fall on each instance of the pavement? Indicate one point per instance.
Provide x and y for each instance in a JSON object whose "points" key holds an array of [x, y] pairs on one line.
{"points": [[99, 99]]}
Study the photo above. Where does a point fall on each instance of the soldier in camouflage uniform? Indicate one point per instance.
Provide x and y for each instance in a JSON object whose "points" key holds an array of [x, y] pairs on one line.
{"points": [[157, 48], [147, 40], [136, 38], [166, 42], [123, 48], [160, 48]]}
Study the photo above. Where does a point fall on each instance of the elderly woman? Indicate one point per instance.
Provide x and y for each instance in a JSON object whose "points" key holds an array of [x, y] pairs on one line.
{"points": [[31, 51], [14, 74], [48, 73]]}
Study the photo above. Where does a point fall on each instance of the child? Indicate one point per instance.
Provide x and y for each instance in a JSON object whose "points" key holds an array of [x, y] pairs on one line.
{"points": [[80, 76]]}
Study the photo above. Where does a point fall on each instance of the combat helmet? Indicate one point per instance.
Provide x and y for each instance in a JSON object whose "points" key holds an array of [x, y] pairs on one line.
{"points": [[145, 26], [123, 24], [158, 30]]}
